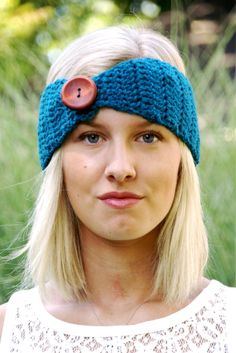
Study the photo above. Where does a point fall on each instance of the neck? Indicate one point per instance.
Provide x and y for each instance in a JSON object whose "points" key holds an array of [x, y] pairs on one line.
{"points": [[118, 272]]}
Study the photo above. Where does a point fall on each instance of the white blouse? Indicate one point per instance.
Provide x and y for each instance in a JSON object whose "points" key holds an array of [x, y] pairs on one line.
{"points": [[207, 325]]}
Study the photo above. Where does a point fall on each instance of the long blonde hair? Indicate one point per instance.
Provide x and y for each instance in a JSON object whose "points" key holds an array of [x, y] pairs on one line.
{"points": [[54, 245]]}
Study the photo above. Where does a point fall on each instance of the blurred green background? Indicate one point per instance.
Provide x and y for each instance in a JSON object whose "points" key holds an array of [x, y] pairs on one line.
{"points": [[33, 33]]}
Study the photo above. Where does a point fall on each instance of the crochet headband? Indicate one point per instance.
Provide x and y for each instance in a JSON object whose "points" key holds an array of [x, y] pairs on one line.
{"points": [[147, 87]]}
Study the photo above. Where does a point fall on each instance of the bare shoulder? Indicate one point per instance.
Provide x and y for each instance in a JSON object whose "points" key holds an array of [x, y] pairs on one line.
{"points": [[3, 308]]}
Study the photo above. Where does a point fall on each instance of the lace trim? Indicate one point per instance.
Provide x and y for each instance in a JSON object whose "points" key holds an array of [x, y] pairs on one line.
{"points": [[204, 331]]}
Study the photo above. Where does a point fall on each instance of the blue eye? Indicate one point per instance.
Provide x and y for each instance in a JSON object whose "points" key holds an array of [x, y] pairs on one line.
{"points": [[150, 137], [91, 138]]}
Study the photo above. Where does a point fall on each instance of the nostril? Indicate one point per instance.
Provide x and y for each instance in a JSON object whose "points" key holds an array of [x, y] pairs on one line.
{"points": [[121, 176]]}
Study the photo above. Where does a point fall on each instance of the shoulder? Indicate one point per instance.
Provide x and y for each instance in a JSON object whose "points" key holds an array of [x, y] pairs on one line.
{"points": [[229, 293], [230, 316], [231, 301], [18, 299], [3, 308], [220, 296]]}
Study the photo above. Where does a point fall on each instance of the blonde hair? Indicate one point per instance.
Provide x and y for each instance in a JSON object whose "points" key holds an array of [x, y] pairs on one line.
{"points": [[54, 246], [100, 50]]}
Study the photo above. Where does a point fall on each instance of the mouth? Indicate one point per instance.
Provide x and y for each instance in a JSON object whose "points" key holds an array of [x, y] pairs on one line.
{"points": [[120, 200]]}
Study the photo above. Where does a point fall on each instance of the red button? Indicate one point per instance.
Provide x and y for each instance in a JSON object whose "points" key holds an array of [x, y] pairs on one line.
{"points": [[79, 92]]}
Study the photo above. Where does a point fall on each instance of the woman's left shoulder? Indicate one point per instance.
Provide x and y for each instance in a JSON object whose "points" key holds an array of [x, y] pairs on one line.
{"points": [[229, 291], [221, 292], [230, 314]]}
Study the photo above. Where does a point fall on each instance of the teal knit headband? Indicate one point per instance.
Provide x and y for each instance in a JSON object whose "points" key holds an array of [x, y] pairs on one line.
{"points": [[147, 87]]}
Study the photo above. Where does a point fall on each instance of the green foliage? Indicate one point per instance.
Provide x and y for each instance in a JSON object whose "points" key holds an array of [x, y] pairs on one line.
{"points": [[218, 175], [18, 160], [216, 94], [31, 33]]}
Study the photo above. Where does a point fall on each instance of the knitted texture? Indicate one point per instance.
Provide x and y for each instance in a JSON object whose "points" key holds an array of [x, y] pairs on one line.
{"points": [[147, 87]]}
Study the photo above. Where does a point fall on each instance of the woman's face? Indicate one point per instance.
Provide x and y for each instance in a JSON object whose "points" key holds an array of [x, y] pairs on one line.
{"points": [[120, 174]]}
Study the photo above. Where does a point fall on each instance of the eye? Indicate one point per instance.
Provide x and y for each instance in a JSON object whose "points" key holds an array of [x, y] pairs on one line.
{"points": [[90, 138], [150, 137]]}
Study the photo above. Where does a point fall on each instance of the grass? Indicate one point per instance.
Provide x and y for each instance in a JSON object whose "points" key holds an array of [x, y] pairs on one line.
{"points": [[218, 175], [18, 160], [215, 92]]}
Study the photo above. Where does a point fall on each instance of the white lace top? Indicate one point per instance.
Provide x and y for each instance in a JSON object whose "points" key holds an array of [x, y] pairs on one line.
{"points": [[206, 325]]}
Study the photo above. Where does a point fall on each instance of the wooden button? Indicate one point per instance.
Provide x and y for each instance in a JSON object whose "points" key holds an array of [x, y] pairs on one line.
{"points": [[79, 92]]}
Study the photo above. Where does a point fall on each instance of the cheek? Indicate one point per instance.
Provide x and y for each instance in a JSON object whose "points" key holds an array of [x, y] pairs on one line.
{"points": [[171, 172], [74, 173], [74, 167], [81, 175], [164, 181], [170, 182]]}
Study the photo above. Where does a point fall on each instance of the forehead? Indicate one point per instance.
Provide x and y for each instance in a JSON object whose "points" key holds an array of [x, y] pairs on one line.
{"points": [[110, 118]]}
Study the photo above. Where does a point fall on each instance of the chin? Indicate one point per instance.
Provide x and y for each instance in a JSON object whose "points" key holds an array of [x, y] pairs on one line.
{"points": [[125, 234]]}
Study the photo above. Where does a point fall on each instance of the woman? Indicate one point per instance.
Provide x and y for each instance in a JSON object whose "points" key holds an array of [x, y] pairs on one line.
{"points": [[118, 246]]}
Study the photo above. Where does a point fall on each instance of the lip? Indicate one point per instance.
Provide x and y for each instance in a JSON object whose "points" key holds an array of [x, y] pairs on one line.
{"points": [[120, 195], [120, 199]]}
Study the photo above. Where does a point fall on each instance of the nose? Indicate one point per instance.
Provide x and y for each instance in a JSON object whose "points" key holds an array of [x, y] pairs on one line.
{"points": [[120, 166]]}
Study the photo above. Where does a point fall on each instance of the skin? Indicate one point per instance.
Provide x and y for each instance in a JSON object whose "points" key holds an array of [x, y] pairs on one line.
{"points": [[118, 152], [125, 157]]}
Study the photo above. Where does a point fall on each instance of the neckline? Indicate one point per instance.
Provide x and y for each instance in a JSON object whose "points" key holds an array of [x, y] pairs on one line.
{"points": [[106, 331]]}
